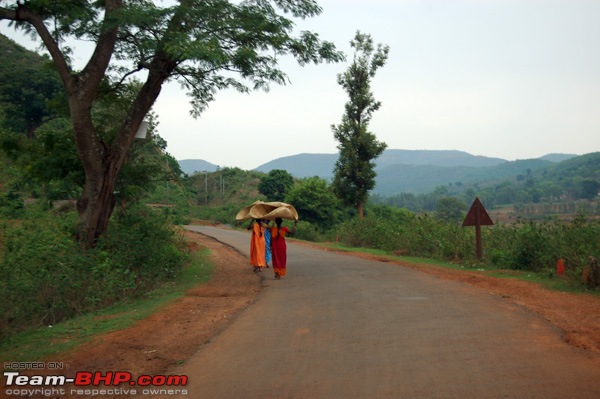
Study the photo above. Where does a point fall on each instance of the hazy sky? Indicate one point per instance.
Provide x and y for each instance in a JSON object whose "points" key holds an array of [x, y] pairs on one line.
{"points": [[513, 79]]}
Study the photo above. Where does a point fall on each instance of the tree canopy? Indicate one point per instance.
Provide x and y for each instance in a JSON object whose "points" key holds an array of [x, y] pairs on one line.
{"points": [[276, 184], [314, 200], [205, 45]]}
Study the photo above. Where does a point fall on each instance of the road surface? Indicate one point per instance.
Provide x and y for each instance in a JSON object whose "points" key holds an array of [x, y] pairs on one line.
{"points": [[342, 327]]}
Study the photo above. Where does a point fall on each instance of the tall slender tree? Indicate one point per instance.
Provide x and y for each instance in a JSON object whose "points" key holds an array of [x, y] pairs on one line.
{"points": [[354, 174], [205, 45]]}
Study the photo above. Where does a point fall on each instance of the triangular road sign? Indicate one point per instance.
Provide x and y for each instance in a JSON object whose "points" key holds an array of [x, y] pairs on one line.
{"points": [[477, 215]]}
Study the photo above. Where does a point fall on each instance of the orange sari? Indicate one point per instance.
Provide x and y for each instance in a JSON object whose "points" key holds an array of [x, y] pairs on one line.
{"points": [[257, 246], [279, 250]]}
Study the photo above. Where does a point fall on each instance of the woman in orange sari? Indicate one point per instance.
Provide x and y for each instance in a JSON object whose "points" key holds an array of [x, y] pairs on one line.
{"points": [[257, 245], [279, 247]]}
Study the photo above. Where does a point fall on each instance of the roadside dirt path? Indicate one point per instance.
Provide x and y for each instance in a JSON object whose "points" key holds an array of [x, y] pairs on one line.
{"points": [[161, 342]]}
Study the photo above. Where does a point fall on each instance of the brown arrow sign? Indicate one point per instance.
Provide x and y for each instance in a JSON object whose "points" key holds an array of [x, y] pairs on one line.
{"points": [[478, 216]]}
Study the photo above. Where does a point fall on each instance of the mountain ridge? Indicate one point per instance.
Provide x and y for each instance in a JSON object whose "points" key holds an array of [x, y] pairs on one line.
{"points": [[416, 171]]}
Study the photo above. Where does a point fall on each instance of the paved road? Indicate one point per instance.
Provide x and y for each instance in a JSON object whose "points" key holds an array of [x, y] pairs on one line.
{"points": [[342, 327]]}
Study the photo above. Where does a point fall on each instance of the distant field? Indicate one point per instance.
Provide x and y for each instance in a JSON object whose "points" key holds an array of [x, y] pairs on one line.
{"points": [[560, 210]]}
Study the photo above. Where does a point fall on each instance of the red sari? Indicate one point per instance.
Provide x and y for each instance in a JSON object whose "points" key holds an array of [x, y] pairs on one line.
{"points": [[279, 250]]}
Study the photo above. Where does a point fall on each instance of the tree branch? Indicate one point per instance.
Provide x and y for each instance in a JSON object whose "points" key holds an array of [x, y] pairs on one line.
{"points": [[94, 71]]}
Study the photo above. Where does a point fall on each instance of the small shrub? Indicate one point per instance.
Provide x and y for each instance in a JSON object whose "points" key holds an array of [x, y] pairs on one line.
{"points": [[48, 277], [142, 245], [11, 205], [307, 231]]}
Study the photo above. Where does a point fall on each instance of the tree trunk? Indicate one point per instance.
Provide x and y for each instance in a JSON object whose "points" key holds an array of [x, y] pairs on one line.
{"points": [[102, 163], [96, 204], [359, 208]]}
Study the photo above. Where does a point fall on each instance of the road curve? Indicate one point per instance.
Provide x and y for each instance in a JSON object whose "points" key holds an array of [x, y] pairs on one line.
{"points": [[342, 327]]}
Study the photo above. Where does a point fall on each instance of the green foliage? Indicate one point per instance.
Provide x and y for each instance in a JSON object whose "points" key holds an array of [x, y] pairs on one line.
{"points": [[520, 182], [11, 204], [224, 214], [206, 46], [48, 277], [315, 201], [589, 189], [205, 40], [142, 247], [50, 167], [31, 91], [538, 245], [382, 228], [531, 246], [311, 232], [33, 344], [450, 209], [276, 184], [50, 164], [354, 174]]}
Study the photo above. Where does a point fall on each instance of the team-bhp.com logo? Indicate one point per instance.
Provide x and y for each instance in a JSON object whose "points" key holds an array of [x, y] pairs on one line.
{"points": [[90, 383]]}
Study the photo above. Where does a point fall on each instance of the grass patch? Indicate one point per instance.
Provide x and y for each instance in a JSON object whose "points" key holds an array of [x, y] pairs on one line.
{"points": [[548, 279], [44, 342]]}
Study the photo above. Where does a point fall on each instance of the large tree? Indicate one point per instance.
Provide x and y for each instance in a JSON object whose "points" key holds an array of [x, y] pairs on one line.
{"points": [[205, 45], [276, 184], [354, 174], [314, 200]]}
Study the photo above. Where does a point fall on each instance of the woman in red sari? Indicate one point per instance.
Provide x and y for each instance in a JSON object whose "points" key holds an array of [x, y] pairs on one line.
{"points": [[279, 247]]}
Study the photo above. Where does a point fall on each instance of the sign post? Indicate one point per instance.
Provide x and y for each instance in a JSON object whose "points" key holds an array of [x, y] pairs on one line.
{"points": [[478, 216]]}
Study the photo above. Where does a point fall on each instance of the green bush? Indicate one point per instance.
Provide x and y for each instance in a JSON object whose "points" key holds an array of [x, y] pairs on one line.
{"points": [[534, 246], [538, 245], [577, 241], [49, 277], [140, 244], [309, 232], [41, 268], [11, 204], [218, 214]]}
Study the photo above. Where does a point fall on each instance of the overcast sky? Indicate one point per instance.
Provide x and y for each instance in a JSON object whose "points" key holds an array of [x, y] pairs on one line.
{"points": [[513, 79]]}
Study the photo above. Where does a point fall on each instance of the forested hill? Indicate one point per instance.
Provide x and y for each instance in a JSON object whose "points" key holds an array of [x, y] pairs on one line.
{"points": [[582, 167], [406, 171], [27, 78], [190, 166], [421, 171], [307, 165], [424, 178]]}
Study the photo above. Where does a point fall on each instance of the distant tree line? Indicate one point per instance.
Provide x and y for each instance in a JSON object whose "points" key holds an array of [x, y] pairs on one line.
{"points": [[575, 181]]}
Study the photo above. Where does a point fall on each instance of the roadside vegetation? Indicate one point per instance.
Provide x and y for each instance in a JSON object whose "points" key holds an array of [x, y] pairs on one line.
{"points": [[519, 243], [49, 340]]}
